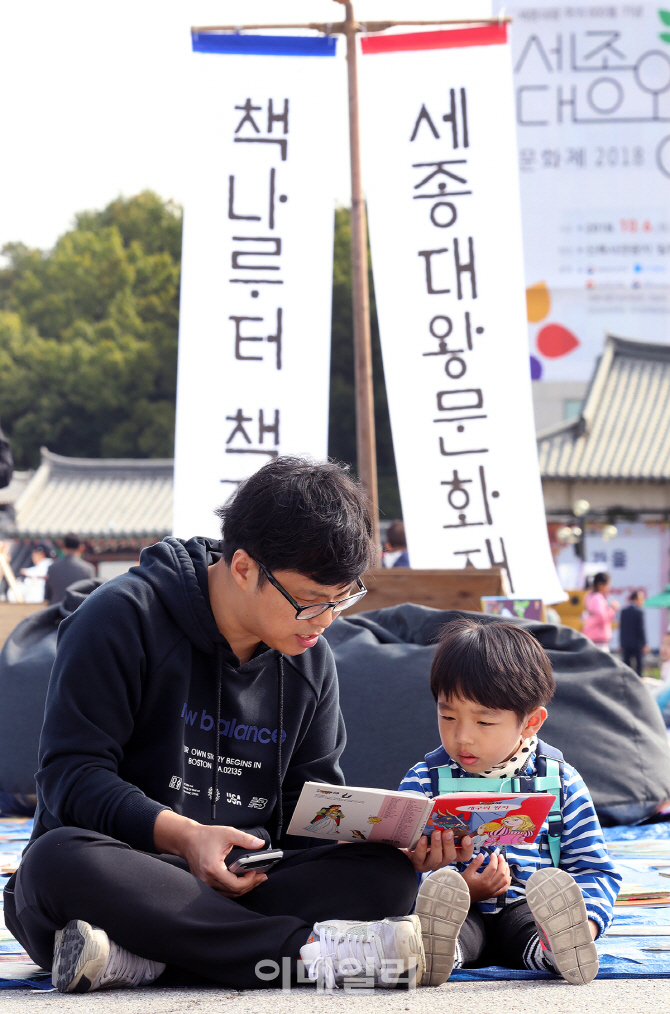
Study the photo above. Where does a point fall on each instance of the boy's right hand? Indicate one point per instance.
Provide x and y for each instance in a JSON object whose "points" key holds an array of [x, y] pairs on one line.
{"points": [[438, 851], [494, 880]]}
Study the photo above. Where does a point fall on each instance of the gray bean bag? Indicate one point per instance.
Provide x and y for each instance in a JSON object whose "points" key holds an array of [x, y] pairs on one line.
{"points": [[25, 666], [602, 716]]}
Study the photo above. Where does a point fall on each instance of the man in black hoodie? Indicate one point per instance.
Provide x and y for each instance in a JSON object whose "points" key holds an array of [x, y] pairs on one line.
{"points": [[211, 650]]}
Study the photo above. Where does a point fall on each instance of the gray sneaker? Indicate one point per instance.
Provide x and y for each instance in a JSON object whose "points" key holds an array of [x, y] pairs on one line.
{"points": [[559, 911], [442, 906], [86, 959]]}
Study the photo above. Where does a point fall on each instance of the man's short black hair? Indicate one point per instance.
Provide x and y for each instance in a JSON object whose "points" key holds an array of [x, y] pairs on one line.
{"points": [[71, 541], [496, 664], [307, 516], [634, 596]]}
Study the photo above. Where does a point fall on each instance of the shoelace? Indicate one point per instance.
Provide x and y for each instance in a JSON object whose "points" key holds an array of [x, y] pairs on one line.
{"points": [[357, 946], [129, 969]]}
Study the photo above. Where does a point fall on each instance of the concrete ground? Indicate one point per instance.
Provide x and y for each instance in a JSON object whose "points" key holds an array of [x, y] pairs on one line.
{"points": [[607, 996]]}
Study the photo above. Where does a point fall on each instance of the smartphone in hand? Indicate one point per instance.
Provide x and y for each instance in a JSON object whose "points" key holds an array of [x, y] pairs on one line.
{"points": [[257, 862]]}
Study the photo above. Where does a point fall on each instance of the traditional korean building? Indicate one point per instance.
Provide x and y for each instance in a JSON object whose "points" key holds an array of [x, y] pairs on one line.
{"points": [[116, 505], [616, 456]]}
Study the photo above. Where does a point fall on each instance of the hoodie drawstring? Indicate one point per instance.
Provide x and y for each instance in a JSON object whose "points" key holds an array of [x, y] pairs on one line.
{"points": [[217, 730], [280, 734]]}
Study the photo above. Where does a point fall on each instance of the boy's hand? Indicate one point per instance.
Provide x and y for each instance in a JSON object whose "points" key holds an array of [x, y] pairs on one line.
{"points": [[440, 852], [494, 880]]}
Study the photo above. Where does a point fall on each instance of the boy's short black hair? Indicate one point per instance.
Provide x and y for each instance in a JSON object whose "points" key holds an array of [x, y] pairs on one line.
{"points": [[496, 664], [307, 516]]}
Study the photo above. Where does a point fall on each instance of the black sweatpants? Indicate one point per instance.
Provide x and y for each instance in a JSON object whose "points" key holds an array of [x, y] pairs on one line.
{"points": [[507, 938], [154, 907]]}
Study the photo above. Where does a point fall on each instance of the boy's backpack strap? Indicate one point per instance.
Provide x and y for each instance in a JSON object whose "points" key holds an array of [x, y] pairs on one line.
{"points": [[550, 768], [448, 781], [444, 780]]}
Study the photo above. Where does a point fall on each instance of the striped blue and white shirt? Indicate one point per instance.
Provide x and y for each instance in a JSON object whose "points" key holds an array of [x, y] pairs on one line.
{"points": [[583, 850]]}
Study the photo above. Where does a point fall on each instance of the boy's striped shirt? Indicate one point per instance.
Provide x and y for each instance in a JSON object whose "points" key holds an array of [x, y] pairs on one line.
{"points": [[583, 850]]}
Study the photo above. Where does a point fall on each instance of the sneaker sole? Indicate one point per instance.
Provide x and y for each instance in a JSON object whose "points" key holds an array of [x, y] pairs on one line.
{"points": [[558, 908], [442, 906], [409, 949], [80, 954]]}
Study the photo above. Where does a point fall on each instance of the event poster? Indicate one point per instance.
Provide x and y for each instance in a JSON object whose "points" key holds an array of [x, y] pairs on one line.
{"points": [[254, 336], [441, 181], [592, 103]]}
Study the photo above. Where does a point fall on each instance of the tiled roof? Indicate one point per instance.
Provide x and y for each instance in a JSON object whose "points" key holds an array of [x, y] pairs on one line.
{"points": [[10, 493], [96, 498], [623, 432]]}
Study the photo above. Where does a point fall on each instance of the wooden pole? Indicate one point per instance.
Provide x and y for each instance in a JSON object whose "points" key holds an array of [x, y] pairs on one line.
{"points": [[333, 28], [366, 450]]}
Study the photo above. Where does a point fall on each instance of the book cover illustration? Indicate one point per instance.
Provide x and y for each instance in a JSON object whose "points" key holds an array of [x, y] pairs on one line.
{"points": [[347, 813], [490, 819]]}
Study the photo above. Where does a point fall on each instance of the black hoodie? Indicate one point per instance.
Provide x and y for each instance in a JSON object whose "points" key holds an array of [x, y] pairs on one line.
{"points": [[130, 718]]}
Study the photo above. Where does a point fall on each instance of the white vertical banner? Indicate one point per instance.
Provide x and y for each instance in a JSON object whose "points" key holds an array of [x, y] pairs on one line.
{"points": [[255, 315], [443, 200], [592, 101]]}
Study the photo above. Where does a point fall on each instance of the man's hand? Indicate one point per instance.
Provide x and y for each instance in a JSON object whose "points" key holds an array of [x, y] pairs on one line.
{"points": [[205, 848], [595, 929], [494, 880], [440, 852]]}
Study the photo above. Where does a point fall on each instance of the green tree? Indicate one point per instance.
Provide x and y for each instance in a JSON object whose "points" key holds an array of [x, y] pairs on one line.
{"points": [[88, 342], [342, 423], [88, 335]]}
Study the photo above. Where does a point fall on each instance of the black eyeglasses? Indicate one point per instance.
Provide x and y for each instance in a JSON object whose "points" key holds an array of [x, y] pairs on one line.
{"points": [[309, 612]]}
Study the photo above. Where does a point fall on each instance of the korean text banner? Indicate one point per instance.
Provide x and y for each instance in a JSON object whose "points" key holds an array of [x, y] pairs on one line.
{"points": [[592, 99], [254, 335], [442, 189]]}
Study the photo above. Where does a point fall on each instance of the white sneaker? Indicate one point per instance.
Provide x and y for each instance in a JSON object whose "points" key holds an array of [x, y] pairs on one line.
{"points": [[442, 905], [86, 959], [379, 952], [559, 911]]}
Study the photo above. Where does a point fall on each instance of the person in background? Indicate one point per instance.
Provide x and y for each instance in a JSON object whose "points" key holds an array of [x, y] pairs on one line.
{"points": [[597, 620], [34, 577], [395, 547], [664, 657], [67, 570], [632, 633]]}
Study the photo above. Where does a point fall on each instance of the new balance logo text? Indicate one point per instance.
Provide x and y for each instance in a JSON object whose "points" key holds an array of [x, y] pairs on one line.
{"points": [[231, 729]]}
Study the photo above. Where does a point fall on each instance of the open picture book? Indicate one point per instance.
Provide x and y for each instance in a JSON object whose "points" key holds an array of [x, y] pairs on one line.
{"points": [[349, 813]]}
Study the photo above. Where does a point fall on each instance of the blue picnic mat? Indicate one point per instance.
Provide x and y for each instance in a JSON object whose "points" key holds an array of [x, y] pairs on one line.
{"points": [[621, 956]]}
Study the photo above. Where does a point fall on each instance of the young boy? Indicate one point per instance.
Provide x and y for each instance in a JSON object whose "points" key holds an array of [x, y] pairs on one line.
{"points": [[492, 682]]}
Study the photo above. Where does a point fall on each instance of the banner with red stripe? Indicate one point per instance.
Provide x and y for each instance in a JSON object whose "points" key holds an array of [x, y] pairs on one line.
{"points": [[457, 38], [442, 189]]}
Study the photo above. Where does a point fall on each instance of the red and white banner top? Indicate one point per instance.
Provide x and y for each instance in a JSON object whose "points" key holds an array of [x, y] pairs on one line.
{"points": [[458, 38]]}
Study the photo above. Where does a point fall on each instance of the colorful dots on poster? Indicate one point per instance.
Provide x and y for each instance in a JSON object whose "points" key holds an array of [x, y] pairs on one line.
{"points": [[554, 341], [538, 302]]}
